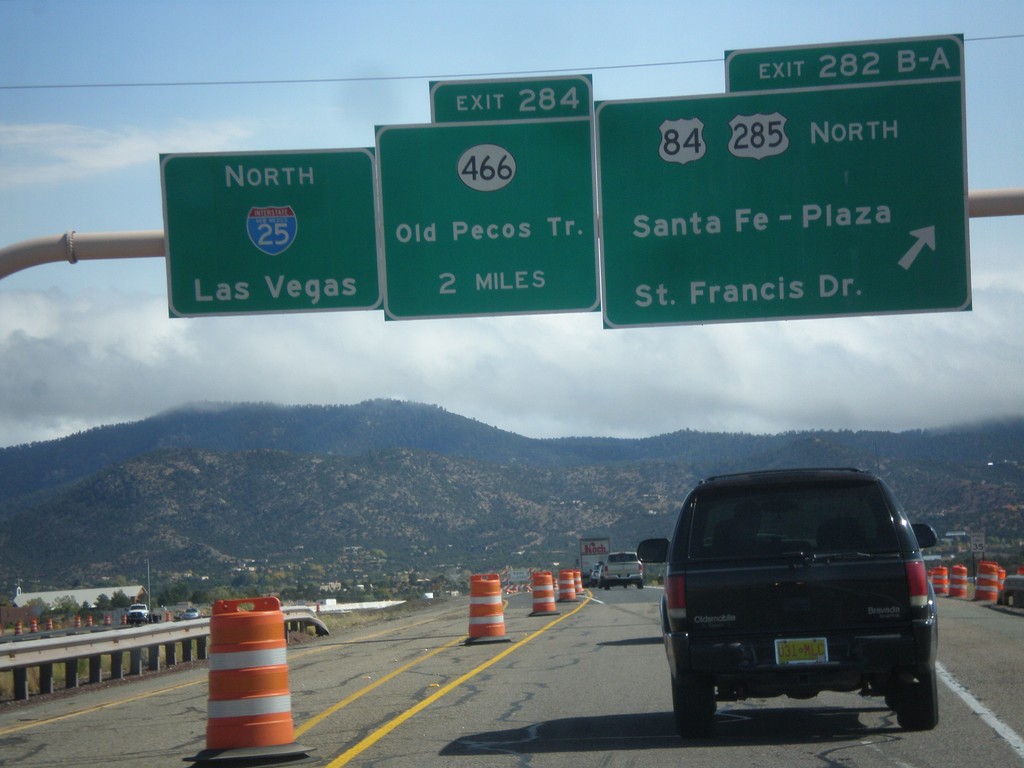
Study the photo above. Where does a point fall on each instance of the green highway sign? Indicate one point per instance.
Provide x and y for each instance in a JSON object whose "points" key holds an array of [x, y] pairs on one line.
{"points": [[859, 63], [270, 232], [460, 101], [488, 218], [784, 204]]}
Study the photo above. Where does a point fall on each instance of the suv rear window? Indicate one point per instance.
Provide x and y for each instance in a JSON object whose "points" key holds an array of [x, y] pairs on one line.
{"points": [[783, 519]]}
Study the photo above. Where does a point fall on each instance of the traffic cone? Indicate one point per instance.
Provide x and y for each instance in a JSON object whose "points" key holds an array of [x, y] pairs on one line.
{"points": [[986, 584], [958, 581], [566, 587], [486, 613], [249, 711], [544, 594]]}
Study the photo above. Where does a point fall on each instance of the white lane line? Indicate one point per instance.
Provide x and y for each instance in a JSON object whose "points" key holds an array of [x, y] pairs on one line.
{"points": [[1006, 732]]}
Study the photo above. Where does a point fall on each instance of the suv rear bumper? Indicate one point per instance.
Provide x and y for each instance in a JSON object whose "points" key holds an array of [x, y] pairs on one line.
{"points": [[746, 666]]}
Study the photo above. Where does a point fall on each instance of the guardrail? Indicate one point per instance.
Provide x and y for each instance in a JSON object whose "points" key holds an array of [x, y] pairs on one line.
{"points": [[70, 647]]}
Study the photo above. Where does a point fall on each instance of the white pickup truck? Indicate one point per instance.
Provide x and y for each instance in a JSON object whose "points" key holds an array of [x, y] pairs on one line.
{"points": [[138, 613], [622, 568]]}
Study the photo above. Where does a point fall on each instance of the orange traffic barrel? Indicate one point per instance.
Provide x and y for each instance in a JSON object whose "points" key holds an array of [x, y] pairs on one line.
{"points": [[566, 587], [986, 588], [544, 594], [486, 610], [577, 578], [940, 580], [249, 708], [958, 581]]}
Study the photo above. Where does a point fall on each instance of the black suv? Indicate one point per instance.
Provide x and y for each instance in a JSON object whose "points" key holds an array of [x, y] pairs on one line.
{"points": [[793, 582]]}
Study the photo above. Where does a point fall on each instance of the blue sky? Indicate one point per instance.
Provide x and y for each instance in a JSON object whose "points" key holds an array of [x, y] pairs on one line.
{"points": [[92, 92]]}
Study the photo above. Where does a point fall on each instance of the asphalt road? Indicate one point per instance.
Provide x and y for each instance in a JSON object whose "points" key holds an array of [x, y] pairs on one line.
{"points": [[586, 687]]}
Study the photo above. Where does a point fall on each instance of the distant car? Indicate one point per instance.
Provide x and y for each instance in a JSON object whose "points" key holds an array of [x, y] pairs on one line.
{"points": [[191, 613], [595, 575]]}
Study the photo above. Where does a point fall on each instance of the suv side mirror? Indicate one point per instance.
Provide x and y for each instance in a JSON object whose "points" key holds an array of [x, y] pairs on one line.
{"points": [[926, 536], [652, 551]]}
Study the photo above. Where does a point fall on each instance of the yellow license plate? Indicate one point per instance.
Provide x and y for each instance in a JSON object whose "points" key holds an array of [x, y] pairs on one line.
{"points": [[804, 650]]}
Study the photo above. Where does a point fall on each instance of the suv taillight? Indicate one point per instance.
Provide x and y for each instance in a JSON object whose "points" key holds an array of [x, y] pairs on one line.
{"points": [[917, 583], [675, 597]]}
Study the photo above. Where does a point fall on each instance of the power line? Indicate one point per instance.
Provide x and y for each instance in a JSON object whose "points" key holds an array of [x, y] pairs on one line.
{"points": [[395, 78], [368, 79]]}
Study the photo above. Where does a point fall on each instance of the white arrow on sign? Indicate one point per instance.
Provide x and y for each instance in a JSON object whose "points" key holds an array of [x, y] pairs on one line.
{"points": [[925, 236]]}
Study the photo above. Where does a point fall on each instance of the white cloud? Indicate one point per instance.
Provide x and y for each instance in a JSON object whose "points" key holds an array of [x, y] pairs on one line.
{"points": [[105, 357], [51, 153]]}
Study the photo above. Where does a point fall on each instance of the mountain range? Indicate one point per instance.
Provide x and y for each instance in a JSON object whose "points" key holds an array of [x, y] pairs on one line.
{"points": [[204, 488]]}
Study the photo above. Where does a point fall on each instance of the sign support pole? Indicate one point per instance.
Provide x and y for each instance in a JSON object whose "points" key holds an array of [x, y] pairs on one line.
{"points": [[80, 246], [88, 246]]}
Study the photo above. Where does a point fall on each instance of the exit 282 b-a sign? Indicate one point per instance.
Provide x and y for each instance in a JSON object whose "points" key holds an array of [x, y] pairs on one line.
{"points": [[784, 204]]}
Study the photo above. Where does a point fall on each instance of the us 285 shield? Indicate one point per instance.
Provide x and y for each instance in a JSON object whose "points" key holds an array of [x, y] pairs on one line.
{"points": [[272, 228]]}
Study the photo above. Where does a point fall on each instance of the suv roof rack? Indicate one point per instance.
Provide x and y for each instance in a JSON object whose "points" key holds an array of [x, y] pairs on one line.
{"points": [[781, 471]]}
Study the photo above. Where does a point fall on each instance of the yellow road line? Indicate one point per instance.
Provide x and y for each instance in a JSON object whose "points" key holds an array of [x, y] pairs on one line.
{"points": [[347, 756], [291, 654], [97, 708], [377, 683]]}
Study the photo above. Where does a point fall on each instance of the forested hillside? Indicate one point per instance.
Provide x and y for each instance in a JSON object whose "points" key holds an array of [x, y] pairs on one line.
{"points": [[201, 491]]}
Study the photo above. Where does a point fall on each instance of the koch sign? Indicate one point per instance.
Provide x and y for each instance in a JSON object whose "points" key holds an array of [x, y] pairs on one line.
{"points": [[488, 218], [270, 232], [784, 204]]}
